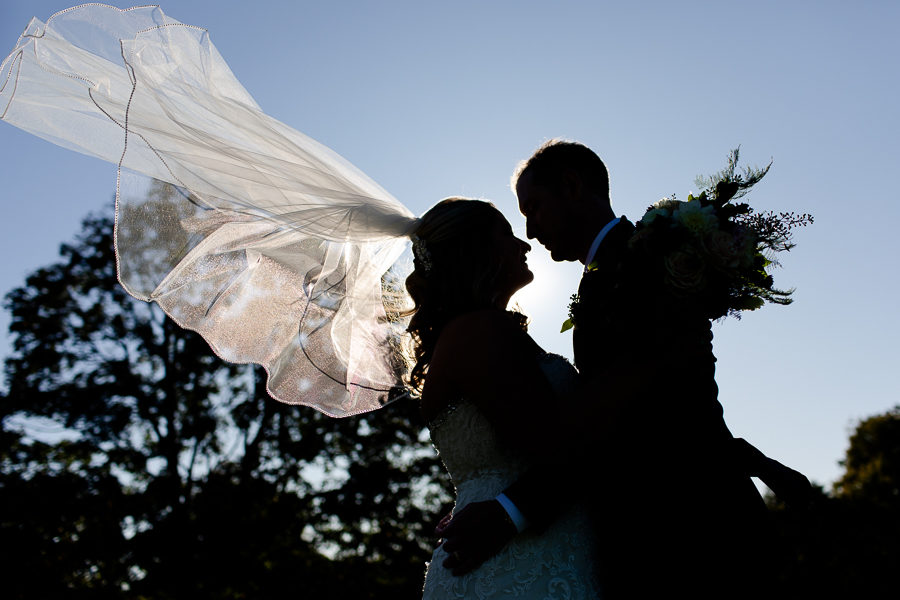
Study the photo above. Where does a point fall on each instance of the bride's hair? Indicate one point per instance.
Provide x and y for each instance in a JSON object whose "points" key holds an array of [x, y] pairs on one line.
{"points": [[454, 273]]}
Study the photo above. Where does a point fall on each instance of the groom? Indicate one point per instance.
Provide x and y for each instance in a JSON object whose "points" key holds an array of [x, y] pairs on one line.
{"points": [[668, 485]]}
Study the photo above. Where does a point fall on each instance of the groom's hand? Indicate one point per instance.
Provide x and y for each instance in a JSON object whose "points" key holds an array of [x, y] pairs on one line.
{"points": [[787, 484], [474, 534]]}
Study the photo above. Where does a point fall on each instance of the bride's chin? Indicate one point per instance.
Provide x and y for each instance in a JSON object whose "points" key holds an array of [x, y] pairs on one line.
{"points": [[527, 278], [516, 283]]}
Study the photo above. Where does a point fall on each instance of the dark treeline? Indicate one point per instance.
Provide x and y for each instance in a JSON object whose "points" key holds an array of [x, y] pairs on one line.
{"points": [[136, 464]]}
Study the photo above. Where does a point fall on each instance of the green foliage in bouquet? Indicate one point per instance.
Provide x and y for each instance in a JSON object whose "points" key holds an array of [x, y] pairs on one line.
{"points": [[714, 254]]}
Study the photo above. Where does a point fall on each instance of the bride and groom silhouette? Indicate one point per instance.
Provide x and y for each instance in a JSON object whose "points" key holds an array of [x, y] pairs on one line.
{"points": [[622, 480], [615, 477]]}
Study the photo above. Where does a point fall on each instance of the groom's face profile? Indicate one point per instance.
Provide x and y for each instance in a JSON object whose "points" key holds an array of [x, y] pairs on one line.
{"points": [[545, 217]]}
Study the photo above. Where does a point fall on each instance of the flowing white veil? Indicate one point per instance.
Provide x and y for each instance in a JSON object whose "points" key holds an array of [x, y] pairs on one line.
{"points": [[274, 248]]}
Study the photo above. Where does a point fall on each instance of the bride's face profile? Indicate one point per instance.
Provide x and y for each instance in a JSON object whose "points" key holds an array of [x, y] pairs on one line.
{"points": [[508, 253], [467, 257]]}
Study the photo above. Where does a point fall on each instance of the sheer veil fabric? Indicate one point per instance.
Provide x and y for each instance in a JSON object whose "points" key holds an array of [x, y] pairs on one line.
{"points": [[274, 248]]}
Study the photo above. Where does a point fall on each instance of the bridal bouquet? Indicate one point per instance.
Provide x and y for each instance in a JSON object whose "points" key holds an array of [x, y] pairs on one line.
{"points": [[712, 253]]}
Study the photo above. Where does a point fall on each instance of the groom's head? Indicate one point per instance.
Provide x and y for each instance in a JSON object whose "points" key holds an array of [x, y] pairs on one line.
{"points": [[563, 191]]}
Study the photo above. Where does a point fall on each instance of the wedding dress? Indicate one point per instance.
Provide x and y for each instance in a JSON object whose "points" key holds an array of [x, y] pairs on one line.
{"points": [[554, 564]]}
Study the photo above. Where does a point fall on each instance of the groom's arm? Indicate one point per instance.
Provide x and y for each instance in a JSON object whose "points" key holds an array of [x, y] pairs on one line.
{"points": [[608, 407], [789, 485], [502, 377], [474, 534], [481, 529], [611, 415]]}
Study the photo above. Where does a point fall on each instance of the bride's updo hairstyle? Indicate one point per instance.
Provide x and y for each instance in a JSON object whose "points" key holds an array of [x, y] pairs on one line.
{"points": [[455, 273]]}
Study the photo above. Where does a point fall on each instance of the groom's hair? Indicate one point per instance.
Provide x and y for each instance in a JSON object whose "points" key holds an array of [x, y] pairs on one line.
{"points": [[549, 162]]}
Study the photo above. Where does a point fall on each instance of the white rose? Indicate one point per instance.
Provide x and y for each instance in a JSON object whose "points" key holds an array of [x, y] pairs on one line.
{"points": [[685, 271], [660, 208], [722, 248], [666, 204], [696, 218], [652, 214]]}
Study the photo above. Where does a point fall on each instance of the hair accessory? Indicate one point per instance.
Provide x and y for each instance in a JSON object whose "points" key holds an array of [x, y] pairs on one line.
{"points": [[421, 253]]}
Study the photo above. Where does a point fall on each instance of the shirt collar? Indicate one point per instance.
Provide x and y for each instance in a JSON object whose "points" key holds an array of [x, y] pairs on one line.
{"points": [[596, 245]]}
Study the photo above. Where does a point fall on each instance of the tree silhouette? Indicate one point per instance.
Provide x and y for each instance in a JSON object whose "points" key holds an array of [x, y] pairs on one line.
{"points": [[872, 462], [848, 545], [168, 473]]}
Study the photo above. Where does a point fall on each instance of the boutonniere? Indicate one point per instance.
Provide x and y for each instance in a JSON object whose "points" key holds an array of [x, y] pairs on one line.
{"points": [[574, 304], [573, 308]]}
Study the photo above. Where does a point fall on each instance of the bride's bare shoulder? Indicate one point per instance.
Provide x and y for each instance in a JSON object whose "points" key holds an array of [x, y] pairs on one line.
{"points": [[469, 357], [479, 333], [488, 358], [482, 346]]}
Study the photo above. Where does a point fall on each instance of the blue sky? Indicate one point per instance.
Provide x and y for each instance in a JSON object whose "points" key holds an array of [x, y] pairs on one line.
{"points": [[439, 99]]}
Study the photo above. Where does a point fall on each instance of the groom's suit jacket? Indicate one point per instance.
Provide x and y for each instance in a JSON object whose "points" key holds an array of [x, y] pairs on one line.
{"points": [[665, 486]]}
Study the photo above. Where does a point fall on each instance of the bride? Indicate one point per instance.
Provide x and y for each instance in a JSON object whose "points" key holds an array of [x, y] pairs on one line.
{"points": [[489, 394], [281, 253]]}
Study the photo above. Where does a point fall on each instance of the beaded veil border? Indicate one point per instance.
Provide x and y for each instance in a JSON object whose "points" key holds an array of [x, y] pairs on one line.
{"points": [[270, 245]]}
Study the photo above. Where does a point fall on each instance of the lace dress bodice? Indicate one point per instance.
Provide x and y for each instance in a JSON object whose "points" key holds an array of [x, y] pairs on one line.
{"points": [[558, 562]]}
